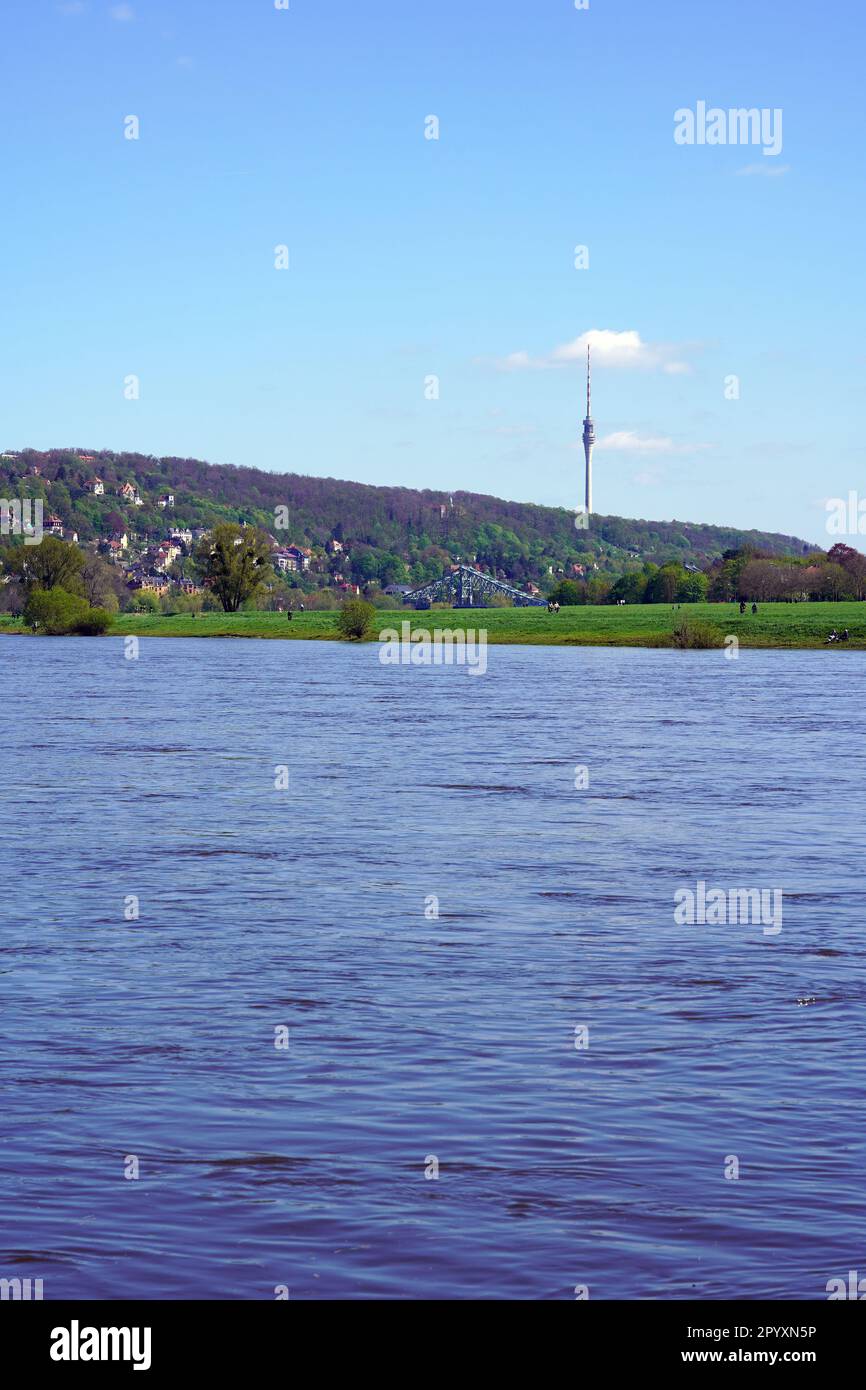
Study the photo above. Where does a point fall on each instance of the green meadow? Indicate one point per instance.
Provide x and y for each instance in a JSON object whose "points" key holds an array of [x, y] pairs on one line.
{"points": [[636, 625]]}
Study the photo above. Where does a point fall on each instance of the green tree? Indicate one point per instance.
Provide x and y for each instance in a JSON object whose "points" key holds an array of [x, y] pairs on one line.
{"points": [[53, 564], [365, 566], [55, 612], [597, 589], [392, 570], [234, 561], [144, 601], [354, 618], [630, 587], [569, 593], [663, 586], [58, 495], [692, 589]]}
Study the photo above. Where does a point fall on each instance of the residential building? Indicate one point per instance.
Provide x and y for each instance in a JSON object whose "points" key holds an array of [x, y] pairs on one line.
{"points": [[150, 583], [292, 558], [163, 555]]}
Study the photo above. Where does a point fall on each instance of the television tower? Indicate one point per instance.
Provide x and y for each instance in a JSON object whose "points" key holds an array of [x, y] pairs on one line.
{"points": [[588, 437]]}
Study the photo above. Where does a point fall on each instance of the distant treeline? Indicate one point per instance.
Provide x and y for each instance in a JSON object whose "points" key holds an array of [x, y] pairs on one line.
{"points": [[738, 574]]}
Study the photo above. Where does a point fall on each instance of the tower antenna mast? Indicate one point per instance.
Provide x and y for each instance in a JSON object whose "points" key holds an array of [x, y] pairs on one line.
{"points": [[588, 434]]}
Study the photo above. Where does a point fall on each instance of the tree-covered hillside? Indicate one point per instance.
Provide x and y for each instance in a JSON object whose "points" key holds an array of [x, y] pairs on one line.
{"points": [[384, 534]]}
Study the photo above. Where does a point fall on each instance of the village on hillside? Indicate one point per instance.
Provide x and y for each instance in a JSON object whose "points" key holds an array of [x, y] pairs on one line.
{"points": [[162, 562]]}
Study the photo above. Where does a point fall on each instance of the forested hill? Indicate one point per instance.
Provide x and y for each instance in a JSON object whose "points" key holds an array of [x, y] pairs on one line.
{"points": [[423, 529]]}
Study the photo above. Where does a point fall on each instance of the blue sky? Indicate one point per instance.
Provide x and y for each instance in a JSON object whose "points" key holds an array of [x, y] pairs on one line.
{"points": [[454, 257]]}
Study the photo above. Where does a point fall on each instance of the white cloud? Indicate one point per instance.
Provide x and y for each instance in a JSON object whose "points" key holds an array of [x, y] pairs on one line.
{"points": [[518, 359], [770, 171], [610, 348], [124, 13], [630, 442]]}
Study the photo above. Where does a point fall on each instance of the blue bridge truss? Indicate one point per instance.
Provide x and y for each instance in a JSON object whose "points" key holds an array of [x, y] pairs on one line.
{"points": [[467, 588]]}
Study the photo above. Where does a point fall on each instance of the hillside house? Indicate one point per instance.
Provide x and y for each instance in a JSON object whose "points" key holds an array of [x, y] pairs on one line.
{"points": [[166, 500], [164, 555], [149, 583], [97, 487], [292, 559]]}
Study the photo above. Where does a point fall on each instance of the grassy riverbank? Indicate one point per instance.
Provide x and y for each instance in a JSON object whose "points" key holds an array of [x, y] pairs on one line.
{"points": [[637, 625]]}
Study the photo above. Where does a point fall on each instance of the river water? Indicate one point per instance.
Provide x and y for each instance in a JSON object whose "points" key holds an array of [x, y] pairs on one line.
{"points": [[434, 950]]}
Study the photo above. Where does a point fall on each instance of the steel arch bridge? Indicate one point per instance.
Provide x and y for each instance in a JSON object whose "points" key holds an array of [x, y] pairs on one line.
{"points": [[465, 587]]}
